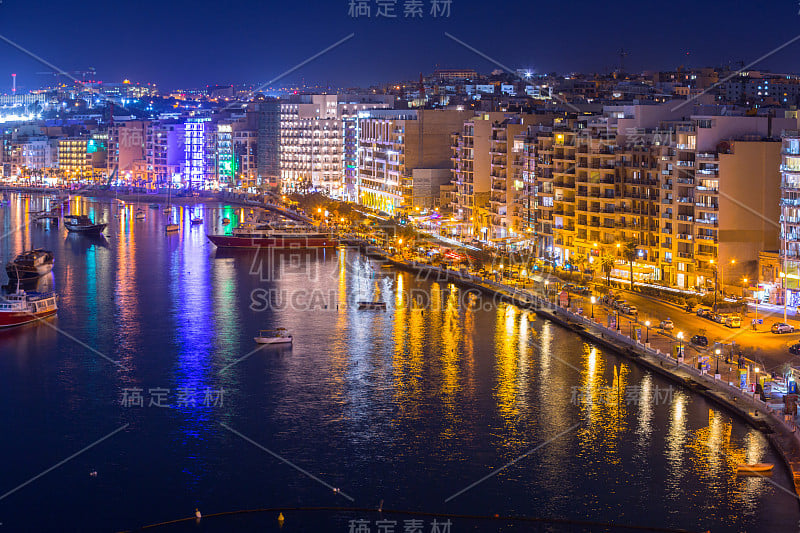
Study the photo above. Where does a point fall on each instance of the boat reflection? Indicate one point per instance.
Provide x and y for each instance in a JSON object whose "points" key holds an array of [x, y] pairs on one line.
{"points": [[83, 242]]}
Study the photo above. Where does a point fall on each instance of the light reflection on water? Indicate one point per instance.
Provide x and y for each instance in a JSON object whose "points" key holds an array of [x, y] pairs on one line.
{"points": [[409, 405]]}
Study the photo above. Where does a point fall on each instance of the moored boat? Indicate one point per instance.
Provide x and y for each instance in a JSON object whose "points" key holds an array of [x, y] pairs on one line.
{"points": [[140, 214], [268, 236], [197, 220], [153, 206], [23, 307], [754, 467], [273, 336], [171, 228], [82, 224], [31, 264], [378, 306]]}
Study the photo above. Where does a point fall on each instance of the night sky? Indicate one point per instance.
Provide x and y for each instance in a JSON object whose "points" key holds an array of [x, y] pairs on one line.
{"points": [[180, 43]]}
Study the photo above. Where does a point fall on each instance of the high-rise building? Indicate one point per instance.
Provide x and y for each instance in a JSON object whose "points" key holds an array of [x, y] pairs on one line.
{"points": [[314, 129], [392, 144]]}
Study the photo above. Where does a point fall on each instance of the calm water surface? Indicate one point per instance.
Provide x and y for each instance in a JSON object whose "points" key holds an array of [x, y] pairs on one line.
{"points": [[409, 406]]}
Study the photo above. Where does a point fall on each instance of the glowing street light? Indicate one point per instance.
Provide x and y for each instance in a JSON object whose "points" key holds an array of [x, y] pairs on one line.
{"points": [[593, 300], [680, 346], [716, 372], [647, 325]]}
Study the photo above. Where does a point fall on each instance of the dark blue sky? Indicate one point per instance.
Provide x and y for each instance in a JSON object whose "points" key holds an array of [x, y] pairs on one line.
{"points": [[191, 43]]}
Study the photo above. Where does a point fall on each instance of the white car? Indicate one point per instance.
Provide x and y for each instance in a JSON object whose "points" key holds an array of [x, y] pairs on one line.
{"points": [[781, 327], [666, 324]]}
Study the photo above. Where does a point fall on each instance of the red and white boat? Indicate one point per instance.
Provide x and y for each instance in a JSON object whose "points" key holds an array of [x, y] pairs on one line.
{"points": [[22, 307], [268, 236]]}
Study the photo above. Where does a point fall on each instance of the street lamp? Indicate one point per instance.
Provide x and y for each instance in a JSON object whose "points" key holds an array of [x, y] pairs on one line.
{"points": [[593, 300], [716, 372], [680, 346], [744, 284], [647, 325]]}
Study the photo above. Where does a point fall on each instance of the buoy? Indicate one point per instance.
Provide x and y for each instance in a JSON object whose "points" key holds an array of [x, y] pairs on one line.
{"points": [[197, 513], [280, 517]]}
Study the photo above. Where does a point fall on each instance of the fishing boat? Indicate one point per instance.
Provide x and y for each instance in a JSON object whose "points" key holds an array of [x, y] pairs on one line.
{"points": [[375, 306], [745, 468], [32, 264], [23, 307], [82, 224], [273, 336], [273, 236]]}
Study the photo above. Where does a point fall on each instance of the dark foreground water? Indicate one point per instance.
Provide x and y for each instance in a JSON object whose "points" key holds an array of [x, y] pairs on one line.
{"points": [[410, 406]]}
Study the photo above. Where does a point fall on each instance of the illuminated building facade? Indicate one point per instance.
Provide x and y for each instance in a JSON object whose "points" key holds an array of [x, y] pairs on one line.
{"points": [[194, 167], [226, 162]]}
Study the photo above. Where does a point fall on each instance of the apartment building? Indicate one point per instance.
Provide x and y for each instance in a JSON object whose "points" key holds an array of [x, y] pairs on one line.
{"points": [[394, 146], [81, 157], [164, 151], [491, 198], [126, 146], [787, 288], [313, 133], [694, 195]]}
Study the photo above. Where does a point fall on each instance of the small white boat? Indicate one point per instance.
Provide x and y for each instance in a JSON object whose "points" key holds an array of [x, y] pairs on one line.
{"points": [[273, 336], [169, 228], [197, 220], [754, 467]]}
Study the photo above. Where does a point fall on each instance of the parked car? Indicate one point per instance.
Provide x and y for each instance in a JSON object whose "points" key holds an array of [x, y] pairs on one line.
{"points": [[582, 290], [666, 324], [704, 312], [733, 321], [689, 308], [781, 327], [794, 349], [700, 340], [619, 304], [630, 310], [568, 287], [719, 318]]}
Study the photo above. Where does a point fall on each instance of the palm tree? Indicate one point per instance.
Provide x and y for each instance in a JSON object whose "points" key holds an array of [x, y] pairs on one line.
{"points": [[579, 262], [630, 252], [607, 264]]}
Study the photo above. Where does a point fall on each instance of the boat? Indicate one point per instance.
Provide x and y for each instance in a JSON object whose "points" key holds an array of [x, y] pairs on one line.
{"points": [[32, 264], [197, 220], [154, 206], [226, 221], [23, 307], [140, 214], [171, 227], [82, 224], [754, 467], [272, 236], [168, 209], [273, 336], [379, 306]]}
